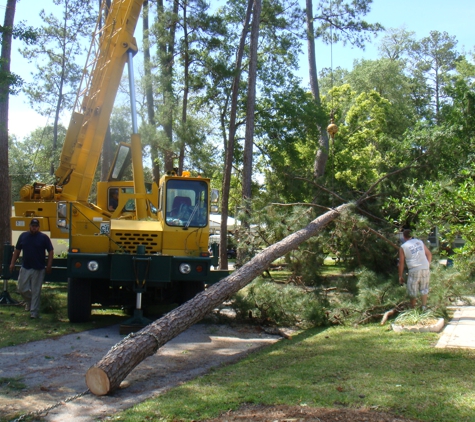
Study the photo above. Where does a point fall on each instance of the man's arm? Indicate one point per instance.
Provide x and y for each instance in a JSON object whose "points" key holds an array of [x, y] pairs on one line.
{"points": [[402, 258], [50, 261], [16, 254]]}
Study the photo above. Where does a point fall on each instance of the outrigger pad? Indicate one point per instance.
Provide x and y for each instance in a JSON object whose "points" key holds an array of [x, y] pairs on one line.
{"points": [[134, 324], [5, 299]]}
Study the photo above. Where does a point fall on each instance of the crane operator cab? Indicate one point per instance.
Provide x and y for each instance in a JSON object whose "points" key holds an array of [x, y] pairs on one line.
{"points": [[186, 202]]}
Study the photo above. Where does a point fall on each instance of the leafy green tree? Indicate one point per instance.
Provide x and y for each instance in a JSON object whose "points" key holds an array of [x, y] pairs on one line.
{"points": [[286, 137], [336, 21], [60, 41], [433, 58], [9, 84], [30, 158], [388, 79], [447, 204], [396, 44], [439, 192], [459, 111]]}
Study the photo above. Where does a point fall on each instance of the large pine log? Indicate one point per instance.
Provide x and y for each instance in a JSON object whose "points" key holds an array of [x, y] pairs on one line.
{"points": [[106, 375]]}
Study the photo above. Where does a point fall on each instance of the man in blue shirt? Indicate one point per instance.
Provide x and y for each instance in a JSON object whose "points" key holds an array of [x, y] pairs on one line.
{"points": [[33, 243]]}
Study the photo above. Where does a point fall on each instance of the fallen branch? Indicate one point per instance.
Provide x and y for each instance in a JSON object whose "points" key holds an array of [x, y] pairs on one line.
{"points": [[369, 318], [396, 310], [331, 289]]}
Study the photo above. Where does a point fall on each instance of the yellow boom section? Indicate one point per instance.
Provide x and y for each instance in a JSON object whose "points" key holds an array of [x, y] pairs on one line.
{"points": [[85, 136]]}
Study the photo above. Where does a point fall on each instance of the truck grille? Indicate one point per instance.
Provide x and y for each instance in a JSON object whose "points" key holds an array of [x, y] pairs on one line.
{"points": [[128, 241]]}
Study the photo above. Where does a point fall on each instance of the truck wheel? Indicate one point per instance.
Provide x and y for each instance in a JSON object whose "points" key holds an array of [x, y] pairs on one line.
{"points": [[189, 289], [79, 300]]}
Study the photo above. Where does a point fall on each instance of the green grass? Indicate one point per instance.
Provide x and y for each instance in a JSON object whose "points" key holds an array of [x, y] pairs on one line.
{"points": [[18, 328], [12, 384], [329, 268], [416, 316], [369, 367]]}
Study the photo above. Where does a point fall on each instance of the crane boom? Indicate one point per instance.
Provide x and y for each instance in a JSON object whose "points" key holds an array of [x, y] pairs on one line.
{"points": [[85, 136]]}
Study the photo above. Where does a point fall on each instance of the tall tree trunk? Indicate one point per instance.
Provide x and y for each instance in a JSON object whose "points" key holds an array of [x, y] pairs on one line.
{"points": [[5, 193], [229, 148], [186, 87], [251, 105], [166, 46], [321, 156], [105, 376], [149, 91], [312, 61]]}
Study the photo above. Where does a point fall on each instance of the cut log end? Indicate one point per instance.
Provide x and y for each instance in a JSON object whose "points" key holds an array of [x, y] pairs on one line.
{"points": [[97, 381]]}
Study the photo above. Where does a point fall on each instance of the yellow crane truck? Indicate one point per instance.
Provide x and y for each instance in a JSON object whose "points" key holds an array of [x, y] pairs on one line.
{"points": [[140, 243]]}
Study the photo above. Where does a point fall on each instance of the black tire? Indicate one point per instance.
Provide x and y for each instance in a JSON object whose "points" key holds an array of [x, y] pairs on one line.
{"points": [[79, 300], [189, 289]]}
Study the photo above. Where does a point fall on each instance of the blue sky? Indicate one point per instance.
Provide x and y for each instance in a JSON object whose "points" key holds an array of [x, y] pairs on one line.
{"points": [[456, 17]]}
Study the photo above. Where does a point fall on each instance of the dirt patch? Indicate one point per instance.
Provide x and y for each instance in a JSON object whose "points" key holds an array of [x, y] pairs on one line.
{"points": [[302, 413], [54, 370]]}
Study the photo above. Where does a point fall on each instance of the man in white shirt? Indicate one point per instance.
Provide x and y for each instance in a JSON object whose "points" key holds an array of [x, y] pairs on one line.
{"points": [[417, 257]]}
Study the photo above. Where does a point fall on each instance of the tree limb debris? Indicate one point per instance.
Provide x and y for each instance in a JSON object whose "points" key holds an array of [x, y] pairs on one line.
{"points": [[395, 311]]}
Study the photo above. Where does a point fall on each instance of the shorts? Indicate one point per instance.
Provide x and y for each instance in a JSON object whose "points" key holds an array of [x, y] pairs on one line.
{"points": [[418, 282]]}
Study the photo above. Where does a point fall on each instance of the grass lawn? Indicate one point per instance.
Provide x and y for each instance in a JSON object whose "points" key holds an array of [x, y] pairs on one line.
{"points": [[18, 328], [369, 367]]}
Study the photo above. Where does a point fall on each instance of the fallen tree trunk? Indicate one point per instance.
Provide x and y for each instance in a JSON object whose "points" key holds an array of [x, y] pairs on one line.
{"points": [[106, 375]]}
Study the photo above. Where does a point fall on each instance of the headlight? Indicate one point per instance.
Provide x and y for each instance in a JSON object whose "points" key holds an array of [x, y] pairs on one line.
{"points": [[92, 265], [62, 209], [185, 268]]}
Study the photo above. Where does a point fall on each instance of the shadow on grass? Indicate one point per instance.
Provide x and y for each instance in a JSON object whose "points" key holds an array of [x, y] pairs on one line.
{"points": [[368, 367]]}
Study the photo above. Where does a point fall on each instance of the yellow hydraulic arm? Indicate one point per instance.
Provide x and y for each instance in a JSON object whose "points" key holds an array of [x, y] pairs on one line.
{"points": [[112, 45]]}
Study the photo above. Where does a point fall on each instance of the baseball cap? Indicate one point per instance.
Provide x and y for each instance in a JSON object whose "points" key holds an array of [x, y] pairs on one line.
{"points": [[34, 222]]}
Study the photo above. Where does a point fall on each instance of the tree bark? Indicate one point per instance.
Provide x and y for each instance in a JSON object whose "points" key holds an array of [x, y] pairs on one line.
{"points": [[186, 84], [251, 105], [321, 156], [229, 148], [105, 376], [6, 208], [166, 50], [149, 91]]}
